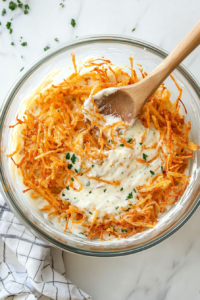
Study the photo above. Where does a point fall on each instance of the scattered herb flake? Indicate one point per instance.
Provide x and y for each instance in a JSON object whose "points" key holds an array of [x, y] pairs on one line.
{"points": [[130, 204], [130, 196], [73, 159], [26, 6], [3, 12], [56, 40], [161, 168], [62, 4], [90, 212], [121, 189], [121, 145], [105, 190], [92, 166], [13, 45], [70, 166], [141, 144], [20, 5], [67, 187], [81, 233], [182, 150], [24, 44], [144, 156], [68, 155], [76, 170], [152, 173], [26, 12], [135, 190], [90, 192], [88, 183], [133, 29], [110, 141], [12, 5], [8, 25], [22, 69], [121, 132], [116, 207], [129, 140], [63, 195], [73, 23], [46, 48], [124, 230], [11, 30], [72, 179]]}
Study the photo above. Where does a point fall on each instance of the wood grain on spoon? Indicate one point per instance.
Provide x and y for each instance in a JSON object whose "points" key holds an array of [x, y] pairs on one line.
{"points": [[127, 101]]}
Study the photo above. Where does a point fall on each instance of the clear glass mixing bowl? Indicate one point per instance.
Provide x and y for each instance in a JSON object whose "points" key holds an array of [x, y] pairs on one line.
{"points": [[118, 49]]}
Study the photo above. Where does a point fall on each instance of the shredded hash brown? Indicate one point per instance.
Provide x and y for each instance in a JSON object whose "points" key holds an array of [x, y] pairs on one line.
{"points": [[60, 126]]}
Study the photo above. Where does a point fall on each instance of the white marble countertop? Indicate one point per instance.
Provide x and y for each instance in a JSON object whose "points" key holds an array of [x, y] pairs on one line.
{"points": [[171, 270]]}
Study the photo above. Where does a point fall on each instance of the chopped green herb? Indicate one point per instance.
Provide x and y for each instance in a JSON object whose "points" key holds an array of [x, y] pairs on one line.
{"points": [[90, 192], [105, 190], [13, 45], [110, 141], [121, 145], [135, 190], [63, 195], [9, 273], [62, 4], [152, 173], [144, 156], [11, 30], [21, 69], [121, 189], [12, 5], [73, 23], [141, 144], [124, 230], [24, 44], [67, 187], [130, 204], [58, 110], [76, 170], [26, 12], [116, 207], [121, 132], [26, 6], [133, 29], [88, 183], [130, 196], [161, 168], [73, 159], [73, 99], [182, 150], [20, 5], [81, 233], [70, 166], [0, 23], [56, 40], [90, 212], [81, 175], [68, 155], [92, 166], [8, 25], [129, 140], [3, 12], [46, 48], [18, 1], [72, 179]]}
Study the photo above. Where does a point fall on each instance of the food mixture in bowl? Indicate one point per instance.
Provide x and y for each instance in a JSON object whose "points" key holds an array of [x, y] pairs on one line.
{"points": [[95, 175]]}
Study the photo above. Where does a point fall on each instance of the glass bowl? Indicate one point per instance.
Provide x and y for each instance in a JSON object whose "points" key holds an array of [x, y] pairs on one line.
{"points": [[118, 49]]}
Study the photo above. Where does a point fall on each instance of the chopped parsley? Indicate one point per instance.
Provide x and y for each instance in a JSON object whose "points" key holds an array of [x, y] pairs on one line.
{"points": [[9, 273], [26, 12], [63, 195], [161, 168], [144, 156], [116, 207], [73, 159], [26, 6], [68, 155], [92, 166], [81, 233], [135, 190], [12, 5], [105, 190], [121, 145], [121, 132], [67, 187], [133, 29], [90, 212], [76, 170], [72, 179], [141, 144], [90, 192], [130, 196], [13, 45], [8, 25], [152, 173], [121, 189], [73, 22], [130, 204], [22, 69], [20, 5], [88, 183], [110, 141], [11, 30], [56, 40], [62, 4], [182, 150], [24, 44], [124, 230], [70, 166], [3, 12], [46, 48], [129, 140]]}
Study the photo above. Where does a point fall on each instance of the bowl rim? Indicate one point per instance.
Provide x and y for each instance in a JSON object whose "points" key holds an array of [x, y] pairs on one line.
{"points": [[17, 83]]}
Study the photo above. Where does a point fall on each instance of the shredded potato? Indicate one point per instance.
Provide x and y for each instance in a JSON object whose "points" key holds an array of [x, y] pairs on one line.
{"points": [[60, 126]]}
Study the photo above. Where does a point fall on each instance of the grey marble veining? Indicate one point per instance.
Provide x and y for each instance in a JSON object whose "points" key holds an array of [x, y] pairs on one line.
{"points": [[171, 270]]}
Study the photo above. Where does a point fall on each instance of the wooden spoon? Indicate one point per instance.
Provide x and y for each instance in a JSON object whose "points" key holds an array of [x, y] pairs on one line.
{"points": [[126, 102]]}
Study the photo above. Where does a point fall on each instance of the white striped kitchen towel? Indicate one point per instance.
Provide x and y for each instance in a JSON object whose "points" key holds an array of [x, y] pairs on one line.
{"points": [[29, 267]]}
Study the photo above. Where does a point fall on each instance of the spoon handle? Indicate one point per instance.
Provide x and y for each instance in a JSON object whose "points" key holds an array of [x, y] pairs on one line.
{"points": [[151, 83]]}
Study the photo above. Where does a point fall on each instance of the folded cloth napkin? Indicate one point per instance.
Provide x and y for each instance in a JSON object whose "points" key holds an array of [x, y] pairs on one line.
{"points": [[29, 267]]}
